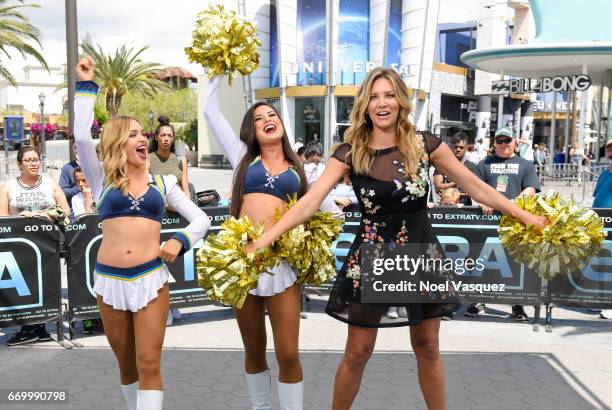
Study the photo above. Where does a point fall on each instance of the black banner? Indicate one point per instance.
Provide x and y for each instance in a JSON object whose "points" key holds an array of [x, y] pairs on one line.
{"points": [[592, 286], [466, 232], [30, 265], [30, 279], [83, 238]]}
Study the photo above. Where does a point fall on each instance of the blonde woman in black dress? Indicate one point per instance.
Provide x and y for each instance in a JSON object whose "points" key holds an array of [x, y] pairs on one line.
{"points": [[387, 163]]}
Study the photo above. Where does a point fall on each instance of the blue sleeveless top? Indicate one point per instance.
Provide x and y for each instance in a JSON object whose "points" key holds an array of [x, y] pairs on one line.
{"points": [[283, 185], [151, 204]]}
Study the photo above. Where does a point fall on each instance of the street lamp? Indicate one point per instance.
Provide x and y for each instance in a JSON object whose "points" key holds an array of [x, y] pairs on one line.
{"points": [[151, 115], [41, 98]]}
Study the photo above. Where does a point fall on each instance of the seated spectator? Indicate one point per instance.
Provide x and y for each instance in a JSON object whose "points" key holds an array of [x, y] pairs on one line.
{"points": [[450, 196], [300, 153], [313, 166], [441, 181], [32, 195], [82, 203], [471, 155], [66, 181], [343, 194]]}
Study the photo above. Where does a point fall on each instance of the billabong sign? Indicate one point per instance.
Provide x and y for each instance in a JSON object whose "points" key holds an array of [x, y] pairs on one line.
{"points": [[541, 85]]}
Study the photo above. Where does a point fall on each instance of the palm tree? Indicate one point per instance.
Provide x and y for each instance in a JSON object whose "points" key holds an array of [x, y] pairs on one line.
{"points": [[123, 73], [16, 32]]}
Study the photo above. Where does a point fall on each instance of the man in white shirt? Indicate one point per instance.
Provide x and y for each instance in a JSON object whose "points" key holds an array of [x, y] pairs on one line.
{"points": [[313, 167]]}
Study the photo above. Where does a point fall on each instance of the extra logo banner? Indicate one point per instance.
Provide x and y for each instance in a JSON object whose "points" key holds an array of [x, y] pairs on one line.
{"points": [[30, 279]]}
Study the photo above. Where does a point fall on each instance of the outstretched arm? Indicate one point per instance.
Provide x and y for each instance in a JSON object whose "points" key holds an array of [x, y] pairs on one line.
{"points": [[307, 205], [84, 100], [443, 158], [224, 134]]}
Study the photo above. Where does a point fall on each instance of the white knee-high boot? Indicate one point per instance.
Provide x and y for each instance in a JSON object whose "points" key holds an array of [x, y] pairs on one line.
{"points": [[291, 395], [150, 399], [130, 394], [260, 390]]}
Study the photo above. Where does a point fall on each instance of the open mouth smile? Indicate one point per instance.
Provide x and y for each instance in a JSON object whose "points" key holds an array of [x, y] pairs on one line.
{"points": [[270, 128]]}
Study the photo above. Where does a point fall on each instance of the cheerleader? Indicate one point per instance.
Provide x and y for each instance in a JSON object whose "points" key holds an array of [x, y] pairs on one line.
{"points": [[388, 165], [131, 276], [267, 173]]}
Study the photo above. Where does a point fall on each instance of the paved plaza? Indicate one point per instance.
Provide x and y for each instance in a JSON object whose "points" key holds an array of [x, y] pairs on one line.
{"points": [[490, 363]]}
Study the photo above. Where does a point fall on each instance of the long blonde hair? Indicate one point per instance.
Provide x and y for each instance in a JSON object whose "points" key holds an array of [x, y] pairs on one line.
{"points": [[114, 136], [359, 133]]}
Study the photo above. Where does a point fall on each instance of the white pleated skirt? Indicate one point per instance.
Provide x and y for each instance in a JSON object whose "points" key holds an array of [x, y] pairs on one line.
{"points": [[131, 295], [279, 278]]}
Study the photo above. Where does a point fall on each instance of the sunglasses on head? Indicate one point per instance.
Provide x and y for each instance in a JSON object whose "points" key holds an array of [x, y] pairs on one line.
{"points": [[503, 141]]}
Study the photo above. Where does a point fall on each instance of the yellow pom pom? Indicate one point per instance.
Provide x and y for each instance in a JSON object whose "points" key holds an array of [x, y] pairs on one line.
{"points": [[307, 247], [225, 270], [574, 235], [224, 43]]}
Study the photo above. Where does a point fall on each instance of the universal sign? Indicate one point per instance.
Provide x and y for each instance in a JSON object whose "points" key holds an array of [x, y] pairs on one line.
{"points": [[542, 85], [339, 67]]}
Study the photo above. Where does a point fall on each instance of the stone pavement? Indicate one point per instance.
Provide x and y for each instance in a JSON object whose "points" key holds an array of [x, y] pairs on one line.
{"points": [[490, 362]]}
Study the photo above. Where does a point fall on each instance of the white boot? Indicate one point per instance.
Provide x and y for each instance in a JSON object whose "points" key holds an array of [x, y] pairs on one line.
{"points": [[130, 394], [291, 395], [260, 390], [150, 400]]}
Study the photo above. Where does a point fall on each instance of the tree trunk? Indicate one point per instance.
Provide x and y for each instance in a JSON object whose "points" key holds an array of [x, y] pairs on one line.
{"points": [[113, 102]]}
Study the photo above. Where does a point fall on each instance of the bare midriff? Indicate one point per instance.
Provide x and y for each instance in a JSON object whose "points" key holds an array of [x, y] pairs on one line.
{"points": [[261, 208], [129, 241]]}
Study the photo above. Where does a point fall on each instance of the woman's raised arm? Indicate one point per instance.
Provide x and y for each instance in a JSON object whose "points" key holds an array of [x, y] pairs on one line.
{"points": [[84, 100], [224, 134]]}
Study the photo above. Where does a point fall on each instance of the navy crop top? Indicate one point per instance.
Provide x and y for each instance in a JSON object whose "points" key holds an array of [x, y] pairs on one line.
{"points": [[284, 185], [113, 203]]}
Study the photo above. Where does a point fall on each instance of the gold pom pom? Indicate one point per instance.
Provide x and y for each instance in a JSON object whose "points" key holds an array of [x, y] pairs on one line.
{"points": [[224, 43], [307, 247], [225, 270], [574, 235]]}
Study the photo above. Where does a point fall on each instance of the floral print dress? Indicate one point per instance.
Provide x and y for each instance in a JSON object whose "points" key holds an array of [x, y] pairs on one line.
{"points": [[394, 212]]}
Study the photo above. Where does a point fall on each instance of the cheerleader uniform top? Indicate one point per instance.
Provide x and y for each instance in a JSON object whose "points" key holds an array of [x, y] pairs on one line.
{"points": [[283, 185], [163, 189]]}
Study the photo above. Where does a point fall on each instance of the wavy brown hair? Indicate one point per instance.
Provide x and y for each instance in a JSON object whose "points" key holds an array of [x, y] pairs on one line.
{"points": [[115, 135], [359, 134], [253, 150]]}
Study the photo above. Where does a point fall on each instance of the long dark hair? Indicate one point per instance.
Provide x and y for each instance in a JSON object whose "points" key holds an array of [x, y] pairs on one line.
{"points": [[253, 150], [163, 122]]}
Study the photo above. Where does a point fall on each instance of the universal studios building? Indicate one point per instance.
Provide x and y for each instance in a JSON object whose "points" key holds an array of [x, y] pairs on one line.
{"points": [[314, 55]]}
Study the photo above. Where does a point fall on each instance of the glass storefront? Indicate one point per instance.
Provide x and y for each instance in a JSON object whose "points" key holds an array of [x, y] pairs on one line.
{"points": [[310, 119], [344, 105]]}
